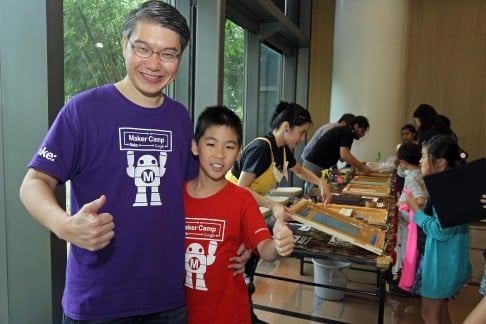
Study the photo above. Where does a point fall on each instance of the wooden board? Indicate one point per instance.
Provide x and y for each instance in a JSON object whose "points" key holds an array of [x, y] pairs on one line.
{"points": [[372, 216], [346, 228], [362, 189], [378, 174], [371, 180]]}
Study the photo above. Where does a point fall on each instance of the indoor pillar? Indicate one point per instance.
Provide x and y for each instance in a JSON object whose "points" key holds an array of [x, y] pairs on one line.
{"points": [[368, 70]]}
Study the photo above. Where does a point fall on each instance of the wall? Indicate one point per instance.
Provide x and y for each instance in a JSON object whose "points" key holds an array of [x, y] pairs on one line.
{"points": [[30, 284], [320, 71], [447, 66]]}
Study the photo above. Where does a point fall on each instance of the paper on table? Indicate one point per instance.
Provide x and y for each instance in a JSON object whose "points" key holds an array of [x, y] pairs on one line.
{"points": [[346, 212]]}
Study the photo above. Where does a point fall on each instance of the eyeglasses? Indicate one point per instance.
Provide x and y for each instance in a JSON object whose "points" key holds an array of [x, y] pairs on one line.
{"points": [[146, 52]]}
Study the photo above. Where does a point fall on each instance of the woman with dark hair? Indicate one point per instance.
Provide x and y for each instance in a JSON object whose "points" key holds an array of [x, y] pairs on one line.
{"points": [[266, 160], [429, 123]]}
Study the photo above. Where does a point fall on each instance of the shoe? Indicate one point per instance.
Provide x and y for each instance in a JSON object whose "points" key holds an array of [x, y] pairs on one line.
{"points": [[255, 320], [397, 291]]}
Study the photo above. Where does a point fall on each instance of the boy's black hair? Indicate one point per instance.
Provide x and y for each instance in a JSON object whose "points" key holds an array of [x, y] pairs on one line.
{"points": [[218, 116], [410, 153]]}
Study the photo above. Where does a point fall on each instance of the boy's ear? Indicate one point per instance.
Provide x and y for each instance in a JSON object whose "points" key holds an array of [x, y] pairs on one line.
{"points": [[194, 148]]}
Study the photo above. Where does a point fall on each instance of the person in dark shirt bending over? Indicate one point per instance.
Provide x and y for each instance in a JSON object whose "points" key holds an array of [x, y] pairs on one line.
{"points": [[335, 145]]}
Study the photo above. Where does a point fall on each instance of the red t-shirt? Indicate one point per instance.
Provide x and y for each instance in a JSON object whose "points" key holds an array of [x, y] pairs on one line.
{"points": [[215, 228]]}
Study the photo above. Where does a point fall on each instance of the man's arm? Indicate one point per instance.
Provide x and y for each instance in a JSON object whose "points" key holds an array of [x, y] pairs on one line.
{"points": [[86, 229], [349, 158]]}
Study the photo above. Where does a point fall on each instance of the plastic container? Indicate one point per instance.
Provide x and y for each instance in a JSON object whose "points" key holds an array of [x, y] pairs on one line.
{"points": [[333, 273]]}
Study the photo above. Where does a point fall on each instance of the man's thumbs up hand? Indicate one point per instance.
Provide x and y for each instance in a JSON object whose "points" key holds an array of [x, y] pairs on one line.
{"points": [[88, 229]]}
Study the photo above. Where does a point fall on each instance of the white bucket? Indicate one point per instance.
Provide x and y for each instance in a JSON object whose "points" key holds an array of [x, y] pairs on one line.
{"points": [[333, 273]]}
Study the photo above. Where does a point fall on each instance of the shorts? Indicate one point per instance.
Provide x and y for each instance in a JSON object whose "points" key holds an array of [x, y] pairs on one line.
{"points": [[417, 284], [482, 287], [173, 316]]}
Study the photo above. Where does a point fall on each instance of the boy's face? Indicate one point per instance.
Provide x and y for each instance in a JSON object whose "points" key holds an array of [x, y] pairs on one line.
{"points": [[217, 150], [403, 164]]}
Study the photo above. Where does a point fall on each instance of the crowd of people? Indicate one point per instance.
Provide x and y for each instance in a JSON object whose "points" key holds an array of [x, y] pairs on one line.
{"points": [[164, 220]]}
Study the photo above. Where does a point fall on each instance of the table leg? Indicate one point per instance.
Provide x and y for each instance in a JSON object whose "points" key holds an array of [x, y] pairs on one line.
{"points": [[382, 293]]}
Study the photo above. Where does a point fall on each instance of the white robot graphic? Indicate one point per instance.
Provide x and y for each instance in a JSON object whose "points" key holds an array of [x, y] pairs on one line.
{"points": [[197, 262], [147, 174]]}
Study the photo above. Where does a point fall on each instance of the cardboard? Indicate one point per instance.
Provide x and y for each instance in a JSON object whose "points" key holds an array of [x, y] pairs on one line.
{"points": [[455, 193], [349, 229]]}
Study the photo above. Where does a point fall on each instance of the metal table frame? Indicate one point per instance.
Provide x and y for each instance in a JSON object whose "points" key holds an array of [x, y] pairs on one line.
{"points": [[382, 276]]}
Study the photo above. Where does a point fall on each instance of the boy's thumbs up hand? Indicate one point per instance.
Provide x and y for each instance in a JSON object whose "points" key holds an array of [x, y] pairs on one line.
{"points": [[88, 229], [283, 237]]}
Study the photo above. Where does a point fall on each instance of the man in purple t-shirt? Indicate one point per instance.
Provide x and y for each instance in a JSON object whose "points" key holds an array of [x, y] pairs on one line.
{"points": [[125, 148]]}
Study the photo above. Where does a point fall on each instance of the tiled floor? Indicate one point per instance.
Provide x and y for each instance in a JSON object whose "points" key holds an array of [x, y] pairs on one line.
{"points": [[353, 308]]}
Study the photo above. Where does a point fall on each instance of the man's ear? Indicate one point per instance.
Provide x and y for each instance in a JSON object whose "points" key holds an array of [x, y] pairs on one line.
{"points": [[194, 149], [124, 44]]}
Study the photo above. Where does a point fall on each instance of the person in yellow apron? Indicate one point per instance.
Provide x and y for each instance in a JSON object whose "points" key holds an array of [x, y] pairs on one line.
{"points": [[266, 160]]}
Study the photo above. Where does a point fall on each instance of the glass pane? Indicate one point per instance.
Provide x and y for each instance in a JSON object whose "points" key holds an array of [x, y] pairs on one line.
{"points": [[234, 67], [270, 86], [93, 31]]}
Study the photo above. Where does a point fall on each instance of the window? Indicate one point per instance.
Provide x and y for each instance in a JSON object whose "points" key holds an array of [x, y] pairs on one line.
{"points": [[234, 68], [270, 86], [269, 62], [93, 31]]}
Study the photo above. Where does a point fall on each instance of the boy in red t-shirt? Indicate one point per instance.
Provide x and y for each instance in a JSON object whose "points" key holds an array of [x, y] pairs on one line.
{"points": [[219, 217]]}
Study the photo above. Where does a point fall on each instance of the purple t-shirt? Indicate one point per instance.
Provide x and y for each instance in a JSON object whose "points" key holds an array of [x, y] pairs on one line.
{"points": [[139, 158]]}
